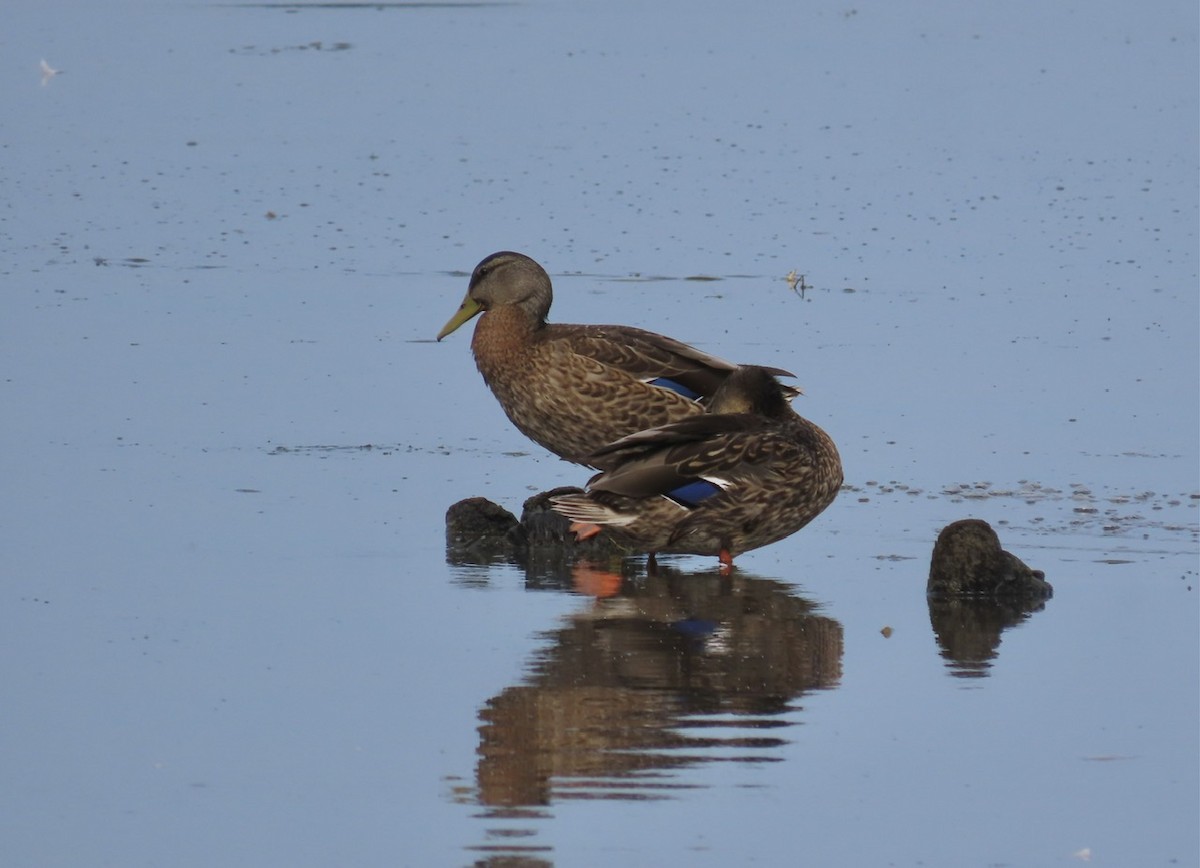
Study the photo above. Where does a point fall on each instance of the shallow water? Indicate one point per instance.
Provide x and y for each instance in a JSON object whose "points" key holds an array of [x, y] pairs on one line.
{"points": [[231, 634]]}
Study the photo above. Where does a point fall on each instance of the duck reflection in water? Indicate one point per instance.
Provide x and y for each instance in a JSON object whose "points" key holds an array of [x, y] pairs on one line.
{"points": [[663, 673], [977, 590]]}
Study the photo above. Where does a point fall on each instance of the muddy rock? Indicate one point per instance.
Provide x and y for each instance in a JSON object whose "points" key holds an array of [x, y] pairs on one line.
{"points": [[976, 591], [968, 562], [478, 529]]}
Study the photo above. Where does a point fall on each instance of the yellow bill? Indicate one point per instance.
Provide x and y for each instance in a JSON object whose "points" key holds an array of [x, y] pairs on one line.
{"points": [[470, 307]]}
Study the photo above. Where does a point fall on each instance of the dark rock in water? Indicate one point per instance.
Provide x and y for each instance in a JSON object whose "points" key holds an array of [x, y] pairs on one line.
{"points": [[542, 524], [478, 527], [976, 591], [480, 531], [968, 562]]}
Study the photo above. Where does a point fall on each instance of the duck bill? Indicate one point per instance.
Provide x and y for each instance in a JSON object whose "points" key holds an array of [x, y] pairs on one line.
{"points": [[470, 307]]}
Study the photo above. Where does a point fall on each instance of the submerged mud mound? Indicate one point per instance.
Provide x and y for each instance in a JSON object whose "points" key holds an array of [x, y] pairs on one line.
{"points": [[479, 530], [976, 591]]}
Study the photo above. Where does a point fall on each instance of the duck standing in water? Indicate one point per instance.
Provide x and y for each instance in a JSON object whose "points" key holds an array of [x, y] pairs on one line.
{"points": [[577, 388], [747, 473]]}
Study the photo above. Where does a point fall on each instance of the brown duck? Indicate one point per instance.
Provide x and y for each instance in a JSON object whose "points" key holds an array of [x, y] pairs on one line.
{"points": [[576, 388], [748, 473]]}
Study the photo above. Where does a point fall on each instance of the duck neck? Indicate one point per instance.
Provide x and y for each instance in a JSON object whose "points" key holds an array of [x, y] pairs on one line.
{"points": [[502, 340]]}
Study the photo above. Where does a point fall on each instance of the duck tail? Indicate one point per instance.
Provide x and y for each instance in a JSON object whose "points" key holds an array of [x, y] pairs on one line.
{"points": [[581, 508]]}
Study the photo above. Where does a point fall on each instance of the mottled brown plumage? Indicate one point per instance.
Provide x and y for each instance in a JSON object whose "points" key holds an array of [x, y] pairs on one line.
{"points": [[576, 388], [746, 474]]}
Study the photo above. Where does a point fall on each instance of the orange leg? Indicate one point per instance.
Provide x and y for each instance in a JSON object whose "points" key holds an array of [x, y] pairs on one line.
{"points": [[583, 530], [726, 561]]}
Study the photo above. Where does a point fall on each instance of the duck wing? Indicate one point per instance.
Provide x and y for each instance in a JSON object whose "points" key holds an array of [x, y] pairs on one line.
{"points": [[722, 451], [650, 357]]}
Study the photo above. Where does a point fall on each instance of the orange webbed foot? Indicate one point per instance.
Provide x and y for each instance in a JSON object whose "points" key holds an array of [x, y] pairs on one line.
{"points": [[583, 530]]}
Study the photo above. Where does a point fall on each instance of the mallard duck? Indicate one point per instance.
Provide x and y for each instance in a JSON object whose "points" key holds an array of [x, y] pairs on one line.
{"points": [[749, 472], [576, 388]]}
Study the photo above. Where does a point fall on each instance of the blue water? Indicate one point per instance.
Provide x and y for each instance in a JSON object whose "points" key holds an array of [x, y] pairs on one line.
{"points": [[230, 634]]}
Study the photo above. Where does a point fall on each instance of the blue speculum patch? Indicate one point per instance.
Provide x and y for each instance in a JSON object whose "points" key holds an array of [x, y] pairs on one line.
{"points": [[667, 383], [694, 493]]}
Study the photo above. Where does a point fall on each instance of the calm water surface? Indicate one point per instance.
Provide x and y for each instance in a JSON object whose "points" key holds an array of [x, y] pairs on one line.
{"points": [[231, 634]]}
